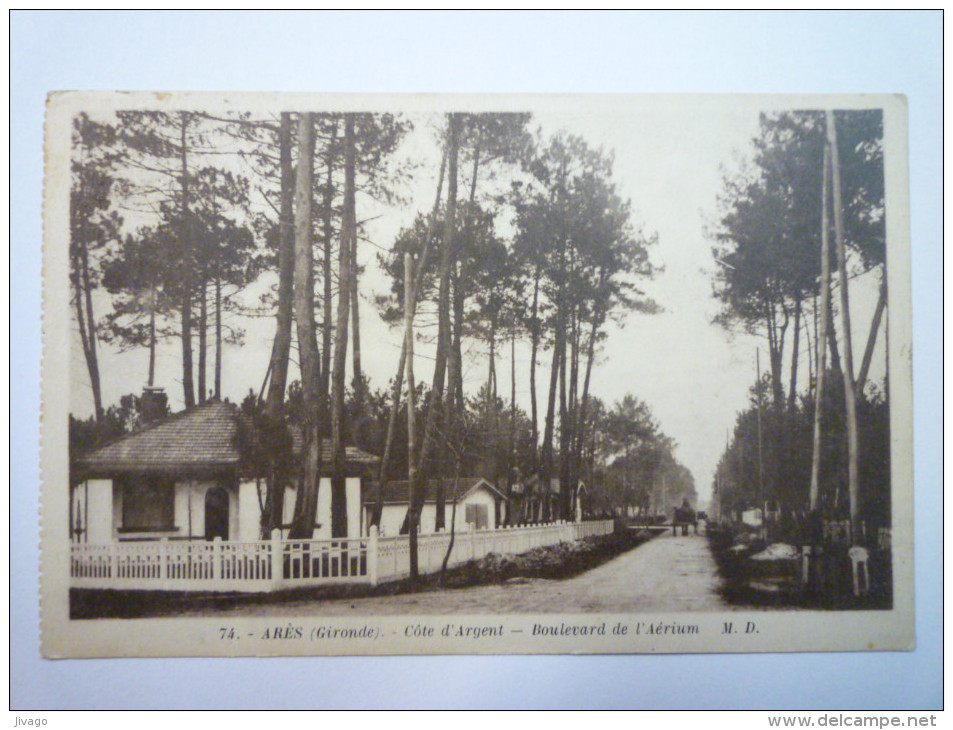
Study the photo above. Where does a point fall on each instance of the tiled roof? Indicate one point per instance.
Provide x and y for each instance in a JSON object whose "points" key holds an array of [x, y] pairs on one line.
{"points": [[353, 454], [207, 437], [202, 437], [399, 492]]}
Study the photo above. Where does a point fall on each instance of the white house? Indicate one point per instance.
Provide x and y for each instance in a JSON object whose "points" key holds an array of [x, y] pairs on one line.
{"points": [[477, 502], [185, 477]]}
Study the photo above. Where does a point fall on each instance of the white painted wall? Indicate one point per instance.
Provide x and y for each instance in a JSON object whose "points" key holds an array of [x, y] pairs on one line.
{"points": [[117, 511], [480, 496], [352, 486], [352, 492], [104, 501], [248, 512], [183, 510], [324, 510], [392, 516], [288, 508], [428, 518], [189, 496], [99, 518]]}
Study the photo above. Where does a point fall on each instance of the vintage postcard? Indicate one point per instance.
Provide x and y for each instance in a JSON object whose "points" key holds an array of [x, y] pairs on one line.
{"points": [[341, 374]]}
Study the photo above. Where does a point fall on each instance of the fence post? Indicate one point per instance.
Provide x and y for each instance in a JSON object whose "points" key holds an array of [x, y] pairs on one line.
{"points": [[396, 543], [372, 556], [113, 560], [277, 567], [423, 554], [858, 563], [164, 561], [216, 559], [806, 564]]}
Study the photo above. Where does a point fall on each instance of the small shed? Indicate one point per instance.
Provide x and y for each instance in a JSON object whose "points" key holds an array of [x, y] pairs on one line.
{"points": [[477, 504]]}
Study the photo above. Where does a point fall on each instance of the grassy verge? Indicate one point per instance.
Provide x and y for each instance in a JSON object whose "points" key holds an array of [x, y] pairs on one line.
{"points": [[559, 561]]}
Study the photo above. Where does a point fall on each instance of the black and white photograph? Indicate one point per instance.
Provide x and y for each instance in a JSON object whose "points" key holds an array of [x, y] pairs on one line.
{"points": [[332, 374]]}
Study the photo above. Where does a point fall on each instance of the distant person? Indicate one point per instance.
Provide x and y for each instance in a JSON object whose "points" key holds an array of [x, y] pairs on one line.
{"points": [[687, 516]]}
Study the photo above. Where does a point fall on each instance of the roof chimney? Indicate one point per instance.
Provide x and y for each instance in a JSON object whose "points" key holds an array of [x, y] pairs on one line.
{"points": [[153, 405]]}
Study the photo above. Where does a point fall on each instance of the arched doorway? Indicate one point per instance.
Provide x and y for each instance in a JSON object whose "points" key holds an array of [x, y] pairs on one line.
{"points": [[216, 513]]}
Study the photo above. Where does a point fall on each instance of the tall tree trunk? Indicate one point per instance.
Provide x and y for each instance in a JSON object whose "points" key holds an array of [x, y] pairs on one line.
{"points": [[872, 336], [792, 391], [534, 350], [491, 370], [457, 469], [89, 340], [327, 266], [203, 340], [557, 368], [785, 465], [281, 346], [272, 515], [356, 328], [584, 402], [302, 525], [185, 245], [511, 466], [776, 333], [548, 432], [84, 313], [455, 357], [565, 430], [81, 320], [576, 332], [358, 374], [811, 349], [345, 254], [435, 405], [815, 350], [454, 397], [453, 402], [853, 477], [412, 485], [187, 385], [382, 467], [399, 377], [152, 336], [832, 342], [218, 337], [573, 416]]}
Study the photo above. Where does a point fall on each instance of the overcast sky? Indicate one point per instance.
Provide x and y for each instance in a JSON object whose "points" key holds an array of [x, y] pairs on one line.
{"points": [[669, 159]]}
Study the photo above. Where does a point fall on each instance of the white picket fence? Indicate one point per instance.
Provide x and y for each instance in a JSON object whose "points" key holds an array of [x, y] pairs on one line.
{"points": [[277, 564]]}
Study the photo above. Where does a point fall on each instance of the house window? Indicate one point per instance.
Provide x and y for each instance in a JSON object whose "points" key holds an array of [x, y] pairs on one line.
{"points": [[477, 516], [147, 505]]}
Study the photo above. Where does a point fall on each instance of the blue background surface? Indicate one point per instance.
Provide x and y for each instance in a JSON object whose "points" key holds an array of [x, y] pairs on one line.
{"points": [[479, 52]]}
